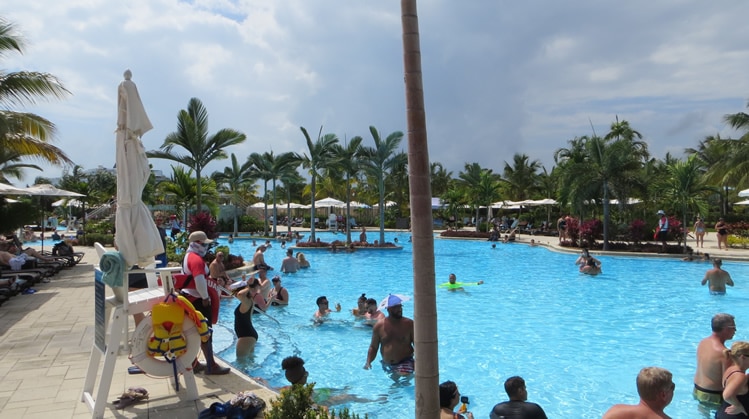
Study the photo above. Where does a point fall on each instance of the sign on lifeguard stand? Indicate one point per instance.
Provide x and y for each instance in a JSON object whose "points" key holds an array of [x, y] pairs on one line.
{"points": [[111, 327]]}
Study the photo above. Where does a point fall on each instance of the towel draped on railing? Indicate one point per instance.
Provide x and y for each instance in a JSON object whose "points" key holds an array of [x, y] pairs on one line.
{"points": [[112, 266]]}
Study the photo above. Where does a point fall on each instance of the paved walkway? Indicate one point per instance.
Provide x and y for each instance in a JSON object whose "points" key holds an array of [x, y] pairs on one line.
{"points": [[46, 341]]}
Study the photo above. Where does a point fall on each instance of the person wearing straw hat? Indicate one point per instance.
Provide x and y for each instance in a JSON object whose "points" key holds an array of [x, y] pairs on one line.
{"points": [[394, 337]]}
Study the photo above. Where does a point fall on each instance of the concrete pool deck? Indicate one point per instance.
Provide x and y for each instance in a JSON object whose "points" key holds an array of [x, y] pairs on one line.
{"points": [[47, 341]]}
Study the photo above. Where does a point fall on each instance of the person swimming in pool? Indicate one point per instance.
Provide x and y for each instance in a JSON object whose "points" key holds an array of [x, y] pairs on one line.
{"points": [[373, 314], [323, 309], [454, 285], [588, 264], [394, 337], [296, 374], [718, 278]]}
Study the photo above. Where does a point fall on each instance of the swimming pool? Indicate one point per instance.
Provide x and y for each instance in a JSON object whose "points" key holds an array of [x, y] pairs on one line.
{"points": [[578, 341]]}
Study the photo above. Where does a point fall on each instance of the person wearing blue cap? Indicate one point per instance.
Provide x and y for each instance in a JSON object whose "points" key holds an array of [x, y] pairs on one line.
{"points": [[394, 337]]}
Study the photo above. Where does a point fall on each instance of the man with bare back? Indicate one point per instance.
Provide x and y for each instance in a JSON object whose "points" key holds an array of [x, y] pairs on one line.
{"points": [[711, 361], [718, 278]]}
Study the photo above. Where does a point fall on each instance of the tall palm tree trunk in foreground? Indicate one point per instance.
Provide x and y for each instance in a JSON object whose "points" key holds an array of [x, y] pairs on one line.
{"points": [[425, 301]]}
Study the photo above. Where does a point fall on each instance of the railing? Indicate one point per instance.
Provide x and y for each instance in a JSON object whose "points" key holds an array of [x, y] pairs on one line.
{"points": [[102, 211]]}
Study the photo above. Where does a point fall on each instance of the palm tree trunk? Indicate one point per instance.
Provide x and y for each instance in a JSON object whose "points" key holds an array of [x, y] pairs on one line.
{"points": [[199, 190], [425, 299], [382, 209], [265, 210], [606, 216], [348, 209], [312, 212], [236, 217], [275, 210]]}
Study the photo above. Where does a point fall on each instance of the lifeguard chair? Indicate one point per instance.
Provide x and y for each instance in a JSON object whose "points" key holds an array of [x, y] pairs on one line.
{"points": [[332, 222], [111, 334]]}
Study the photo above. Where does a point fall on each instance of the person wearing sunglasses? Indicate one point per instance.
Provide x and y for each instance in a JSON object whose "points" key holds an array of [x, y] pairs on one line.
{"points": [[449, 398]]}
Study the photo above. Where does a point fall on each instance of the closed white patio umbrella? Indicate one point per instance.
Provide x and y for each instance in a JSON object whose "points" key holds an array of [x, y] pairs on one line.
{"points": [[136, 235]]}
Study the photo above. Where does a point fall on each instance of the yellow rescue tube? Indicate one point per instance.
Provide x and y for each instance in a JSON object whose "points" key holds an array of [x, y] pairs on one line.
{"points": [[160, 367]]}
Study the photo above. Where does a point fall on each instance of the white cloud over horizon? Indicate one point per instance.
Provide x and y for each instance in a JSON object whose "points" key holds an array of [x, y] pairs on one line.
{"points": [[500, 77]]}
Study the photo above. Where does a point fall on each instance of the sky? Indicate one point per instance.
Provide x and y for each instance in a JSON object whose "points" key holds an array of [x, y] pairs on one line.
{"points": [[500, 77]]}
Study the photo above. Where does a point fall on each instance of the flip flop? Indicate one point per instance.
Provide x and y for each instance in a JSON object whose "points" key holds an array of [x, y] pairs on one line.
{"points": [[135, 370], [28, 291]]}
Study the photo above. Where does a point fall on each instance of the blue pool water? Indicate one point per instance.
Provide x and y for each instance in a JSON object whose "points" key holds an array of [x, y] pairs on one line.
{"points": [[578, 341]]}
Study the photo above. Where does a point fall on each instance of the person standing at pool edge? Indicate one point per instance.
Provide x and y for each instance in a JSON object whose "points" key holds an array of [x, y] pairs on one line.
{"points": [[721, 232], [718, 278], [708, 379], [662, 233], [656, 389], [394, 337], [204, 298], [699, 232]]}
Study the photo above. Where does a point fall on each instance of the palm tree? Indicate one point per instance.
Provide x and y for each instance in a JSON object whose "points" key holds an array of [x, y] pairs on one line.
{"points": [[261, 167], [291, 181], [348, 162], [425, 306], [594, 167], [236, 178], [724, 163], [23, 133], [11, 166], [279, 165], [192, 136], [380, 160], [522, 176], [182, 186], [440, 178], [685, 187], [319, 155], [480, 185], [739, 121]]}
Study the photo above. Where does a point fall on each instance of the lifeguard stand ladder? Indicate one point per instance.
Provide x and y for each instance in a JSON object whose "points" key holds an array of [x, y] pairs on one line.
{"points": [[111, 332]]}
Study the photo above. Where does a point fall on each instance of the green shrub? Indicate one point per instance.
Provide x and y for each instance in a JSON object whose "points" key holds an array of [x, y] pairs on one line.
{"points": [[296, 402], [102, 227], [737, 242], [91, 238]]}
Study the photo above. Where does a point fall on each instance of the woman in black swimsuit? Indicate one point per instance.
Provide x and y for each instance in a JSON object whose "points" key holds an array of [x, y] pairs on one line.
{"points": [[735, 388], [279, 296], [722, 232], [249, 297]]}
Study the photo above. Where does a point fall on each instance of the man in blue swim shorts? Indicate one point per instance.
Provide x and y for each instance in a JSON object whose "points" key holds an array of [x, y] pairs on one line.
{"points": [[394, 337]]}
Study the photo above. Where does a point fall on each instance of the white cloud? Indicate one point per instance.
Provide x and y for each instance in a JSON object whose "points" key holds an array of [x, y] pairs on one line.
{"points": [[499, 77]]}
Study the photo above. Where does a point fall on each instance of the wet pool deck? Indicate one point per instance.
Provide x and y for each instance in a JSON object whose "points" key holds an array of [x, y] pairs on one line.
{"points": [[47, 341]]}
